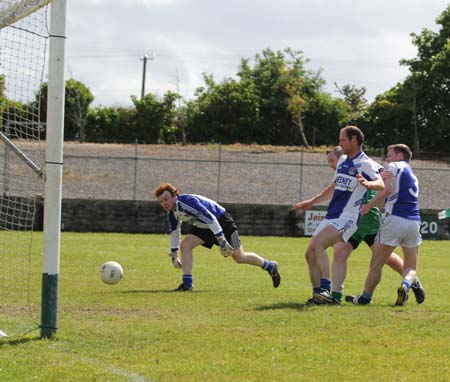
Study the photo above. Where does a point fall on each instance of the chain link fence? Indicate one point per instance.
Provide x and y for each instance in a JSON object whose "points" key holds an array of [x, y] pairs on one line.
{"points": [[270, 175], [229, 174]]}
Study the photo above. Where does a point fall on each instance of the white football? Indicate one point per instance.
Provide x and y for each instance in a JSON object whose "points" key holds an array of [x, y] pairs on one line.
{"points": [[111, 272]]}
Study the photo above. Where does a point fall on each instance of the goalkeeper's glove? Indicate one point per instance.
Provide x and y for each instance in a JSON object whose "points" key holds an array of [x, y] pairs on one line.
{"points": [[225, 248], [175, 260]]}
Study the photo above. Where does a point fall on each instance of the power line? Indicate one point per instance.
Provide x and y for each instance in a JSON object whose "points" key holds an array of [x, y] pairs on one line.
{"points": [[193, 56]]}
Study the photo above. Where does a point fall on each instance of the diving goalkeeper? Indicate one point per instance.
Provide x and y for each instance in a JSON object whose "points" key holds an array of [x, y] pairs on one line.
{"points": [[211, 225]]}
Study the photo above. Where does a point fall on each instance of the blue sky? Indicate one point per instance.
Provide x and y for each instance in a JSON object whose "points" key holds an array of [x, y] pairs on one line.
{"points": [[358, 42]]}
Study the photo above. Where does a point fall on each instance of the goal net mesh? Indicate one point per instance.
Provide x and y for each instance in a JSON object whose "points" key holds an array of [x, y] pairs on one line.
{"points": [[24, 36]]}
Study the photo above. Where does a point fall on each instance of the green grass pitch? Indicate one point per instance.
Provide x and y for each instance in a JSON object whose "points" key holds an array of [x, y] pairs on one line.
{"points": [[235, 326]]}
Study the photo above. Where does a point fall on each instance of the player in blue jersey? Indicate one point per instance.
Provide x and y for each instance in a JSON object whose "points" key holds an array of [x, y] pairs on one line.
{"points": [[341, 220], [211, 225], [401, 225], [367, 229]]}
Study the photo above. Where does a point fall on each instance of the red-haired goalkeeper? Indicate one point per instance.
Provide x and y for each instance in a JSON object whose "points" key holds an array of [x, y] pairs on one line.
{"points": [[211, 225]]}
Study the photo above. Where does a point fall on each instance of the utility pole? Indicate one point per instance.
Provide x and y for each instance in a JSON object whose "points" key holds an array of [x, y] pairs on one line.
{"points": [[416, 86], [145, 58], [416, 131], [178, 91], [180, 120]]}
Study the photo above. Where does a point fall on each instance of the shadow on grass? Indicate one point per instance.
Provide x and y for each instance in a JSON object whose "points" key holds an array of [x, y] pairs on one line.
{"points": [[18, 341], [157, 291], [282, 305]]}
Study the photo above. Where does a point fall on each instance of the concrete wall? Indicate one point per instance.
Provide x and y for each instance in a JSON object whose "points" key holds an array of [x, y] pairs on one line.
{"points": [[88, 215]]}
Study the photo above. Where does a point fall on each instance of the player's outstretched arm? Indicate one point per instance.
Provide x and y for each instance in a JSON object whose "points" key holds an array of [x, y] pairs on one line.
{"points": [[376, 185], [325, 194], [380, 197]]}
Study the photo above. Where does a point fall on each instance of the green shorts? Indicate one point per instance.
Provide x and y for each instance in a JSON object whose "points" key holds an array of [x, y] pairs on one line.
{"points": [[367, 229]]}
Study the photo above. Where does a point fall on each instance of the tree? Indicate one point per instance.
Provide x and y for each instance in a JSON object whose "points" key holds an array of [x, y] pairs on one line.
{"points": [[417, 110], [226, 112], [2, 90], [354, 97], [15, 115], [280, 80], [267, 103], [78, 97], [324, 117], [110, 124], [388, 119], [155, 119], [3, 99], [428, 87]]}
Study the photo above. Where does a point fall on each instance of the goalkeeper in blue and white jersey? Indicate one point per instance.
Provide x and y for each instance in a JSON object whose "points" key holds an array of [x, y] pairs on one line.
{"points": [[211, 225]]}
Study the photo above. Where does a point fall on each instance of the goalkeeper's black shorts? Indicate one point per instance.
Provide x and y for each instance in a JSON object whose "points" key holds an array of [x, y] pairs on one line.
{"points": [[229, 228]]}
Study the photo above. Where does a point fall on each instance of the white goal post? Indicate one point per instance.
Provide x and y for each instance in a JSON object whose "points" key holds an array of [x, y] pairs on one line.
{"points": [[27, 49], [53, 166]]}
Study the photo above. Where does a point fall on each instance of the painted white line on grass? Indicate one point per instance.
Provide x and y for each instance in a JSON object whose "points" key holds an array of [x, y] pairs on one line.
{"points": [[134, 377]]}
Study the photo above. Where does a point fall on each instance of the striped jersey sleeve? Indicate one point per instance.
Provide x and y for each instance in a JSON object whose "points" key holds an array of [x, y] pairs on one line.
{"points": [[200, 211]]}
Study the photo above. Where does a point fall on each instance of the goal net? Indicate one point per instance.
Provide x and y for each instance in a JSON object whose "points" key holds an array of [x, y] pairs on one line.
{"points": [[24, 35]]}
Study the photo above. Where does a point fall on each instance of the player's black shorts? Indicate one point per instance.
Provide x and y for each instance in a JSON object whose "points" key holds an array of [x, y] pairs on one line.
{"points": [[229, 228], [369, 239]]}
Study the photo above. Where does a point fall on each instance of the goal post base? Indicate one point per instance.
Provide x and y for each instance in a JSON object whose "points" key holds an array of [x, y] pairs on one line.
{"points": [[49, 308]]}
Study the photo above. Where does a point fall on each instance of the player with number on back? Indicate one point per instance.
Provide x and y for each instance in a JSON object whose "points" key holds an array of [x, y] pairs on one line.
{"points": [[400, 226], [211, 225], [368, 228]]}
